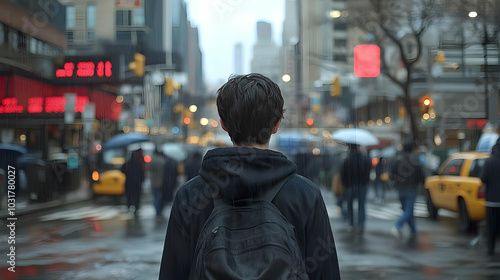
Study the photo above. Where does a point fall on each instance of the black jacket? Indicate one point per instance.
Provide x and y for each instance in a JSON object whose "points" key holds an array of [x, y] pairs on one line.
{"points": [[237, 173], [491, 175], [407, 172], [355, 170]]}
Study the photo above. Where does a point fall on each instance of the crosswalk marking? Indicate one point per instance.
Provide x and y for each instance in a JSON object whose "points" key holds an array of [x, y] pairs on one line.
{"points": [[103, 213], [389, 211]]}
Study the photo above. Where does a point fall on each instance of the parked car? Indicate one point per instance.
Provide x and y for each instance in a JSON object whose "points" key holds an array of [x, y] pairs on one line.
{"points": [[457, 187]]}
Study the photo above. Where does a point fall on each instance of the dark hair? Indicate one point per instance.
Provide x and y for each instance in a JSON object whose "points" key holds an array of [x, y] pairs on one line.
{"points": [[250, 106]]}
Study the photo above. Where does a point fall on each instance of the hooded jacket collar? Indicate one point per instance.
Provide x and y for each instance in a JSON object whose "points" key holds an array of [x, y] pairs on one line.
{"points": [[239, 172]]}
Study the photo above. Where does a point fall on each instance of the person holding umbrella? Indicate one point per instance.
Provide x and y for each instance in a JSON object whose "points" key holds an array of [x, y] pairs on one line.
{"points": [[355, 171], [355, 176]]}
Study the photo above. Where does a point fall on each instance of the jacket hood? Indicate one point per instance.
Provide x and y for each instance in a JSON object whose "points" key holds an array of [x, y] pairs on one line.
{"points": [[239, 172]]}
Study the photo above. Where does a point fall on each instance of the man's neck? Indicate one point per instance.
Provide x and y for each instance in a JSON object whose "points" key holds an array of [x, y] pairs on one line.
{"points": [[257, 146]]}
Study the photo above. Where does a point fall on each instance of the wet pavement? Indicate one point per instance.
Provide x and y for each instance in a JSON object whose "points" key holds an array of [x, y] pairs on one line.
{"points": [[104, 241]]}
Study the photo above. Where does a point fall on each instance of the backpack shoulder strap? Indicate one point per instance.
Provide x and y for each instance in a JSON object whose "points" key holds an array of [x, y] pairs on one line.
{"points": [[271, 193]]}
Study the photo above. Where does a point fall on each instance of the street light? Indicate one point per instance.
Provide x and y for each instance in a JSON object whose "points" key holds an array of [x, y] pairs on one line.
{"points": [[286, 78], [472, 14], [335, 13]]}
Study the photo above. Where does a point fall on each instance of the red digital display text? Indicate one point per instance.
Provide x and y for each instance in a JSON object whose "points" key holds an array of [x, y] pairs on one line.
{"points": [[86, 69]]}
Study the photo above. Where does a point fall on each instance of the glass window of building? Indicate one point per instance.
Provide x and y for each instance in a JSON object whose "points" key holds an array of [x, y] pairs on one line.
{"points": [[91, 16], [133, 17], [70, 17], [2, 34], [138, 17]]}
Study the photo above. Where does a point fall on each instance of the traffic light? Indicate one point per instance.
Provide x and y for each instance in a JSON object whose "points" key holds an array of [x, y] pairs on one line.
{"points": [[426, 109], [170, 86], [335, 88], [310, 121], [440, 57], [366, 61], [187, 116], [138, 64]]}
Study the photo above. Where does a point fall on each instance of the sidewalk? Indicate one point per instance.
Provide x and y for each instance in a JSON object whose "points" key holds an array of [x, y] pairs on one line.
{"points": [[23, 206]]}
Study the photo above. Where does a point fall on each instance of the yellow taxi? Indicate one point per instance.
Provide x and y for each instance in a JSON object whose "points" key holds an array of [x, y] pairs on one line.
{"points": [[107, 179], [457, 187]]}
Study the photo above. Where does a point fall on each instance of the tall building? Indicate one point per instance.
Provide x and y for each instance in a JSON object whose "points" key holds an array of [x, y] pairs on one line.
{"points": [[238, 59], [265, 59]]}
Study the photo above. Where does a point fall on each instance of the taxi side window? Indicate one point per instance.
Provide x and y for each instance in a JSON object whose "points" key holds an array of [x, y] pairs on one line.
{"points": [[453, 167], [476, 166]]}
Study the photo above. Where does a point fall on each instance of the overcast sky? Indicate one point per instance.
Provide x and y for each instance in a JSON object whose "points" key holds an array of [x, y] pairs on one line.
{"points": [[223, 23]]}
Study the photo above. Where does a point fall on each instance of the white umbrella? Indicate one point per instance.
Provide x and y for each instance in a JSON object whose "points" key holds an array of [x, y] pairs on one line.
{"points": [[355, 136], [174, 151]]}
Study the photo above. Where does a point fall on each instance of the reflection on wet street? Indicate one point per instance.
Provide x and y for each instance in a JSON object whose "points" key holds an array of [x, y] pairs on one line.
{"points": [[110, 243]]}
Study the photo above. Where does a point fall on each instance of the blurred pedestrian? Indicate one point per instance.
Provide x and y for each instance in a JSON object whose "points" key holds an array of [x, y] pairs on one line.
{"points": [[134, 176], [491, 177], [156, 167], [170, 175], [355, 176], [193, 164], [407, 174], [380, 182]]}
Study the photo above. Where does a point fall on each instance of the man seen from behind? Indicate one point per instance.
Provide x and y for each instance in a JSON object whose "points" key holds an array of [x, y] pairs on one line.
{"points": [[250, 109]]}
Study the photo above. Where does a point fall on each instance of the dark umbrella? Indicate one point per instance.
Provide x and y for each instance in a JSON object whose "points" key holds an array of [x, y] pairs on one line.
{"points": [[12, 148], [9, 153], [124, 139]]}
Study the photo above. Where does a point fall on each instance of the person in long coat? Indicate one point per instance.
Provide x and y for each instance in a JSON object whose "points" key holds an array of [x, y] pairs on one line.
{"points": [[491, 177], [157, 175], [170, 174], [355, 176], [134, 172]]}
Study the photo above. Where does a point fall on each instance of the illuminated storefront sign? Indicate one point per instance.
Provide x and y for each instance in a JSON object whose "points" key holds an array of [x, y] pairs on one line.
{"points": [[52, 104], [81, 69], [86, 69]]}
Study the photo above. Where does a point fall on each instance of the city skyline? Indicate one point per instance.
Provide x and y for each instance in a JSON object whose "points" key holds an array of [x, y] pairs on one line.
{"points": [[223, 24]]}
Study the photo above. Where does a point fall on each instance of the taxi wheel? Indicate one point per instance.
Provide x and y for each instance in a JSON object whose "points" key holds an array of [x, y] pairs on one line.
{"points": [[431, 208], [466, 225]]}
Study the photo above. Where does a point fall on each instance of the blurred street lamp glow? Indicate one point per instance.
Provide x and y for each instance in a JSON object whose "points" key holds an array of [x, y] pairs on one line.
{"points": [[162, 130], [286, 78], [119, 99], [387, 119], [203, 121], [437, 140], [316, 151], [370, 123], [361, 124], [126, 129], [214, 123], [193, 108], [379, 122], [426, 116], [327, 134], [335, 13], [22, 137], [472, 14], [314, 131]]}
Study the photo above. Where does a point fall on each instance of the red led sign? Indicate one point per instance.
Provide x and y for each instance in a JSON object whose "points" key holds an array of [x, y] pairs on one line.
{"points": [[86, 69], [366, 61], [53, 104], [9, 105]]}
